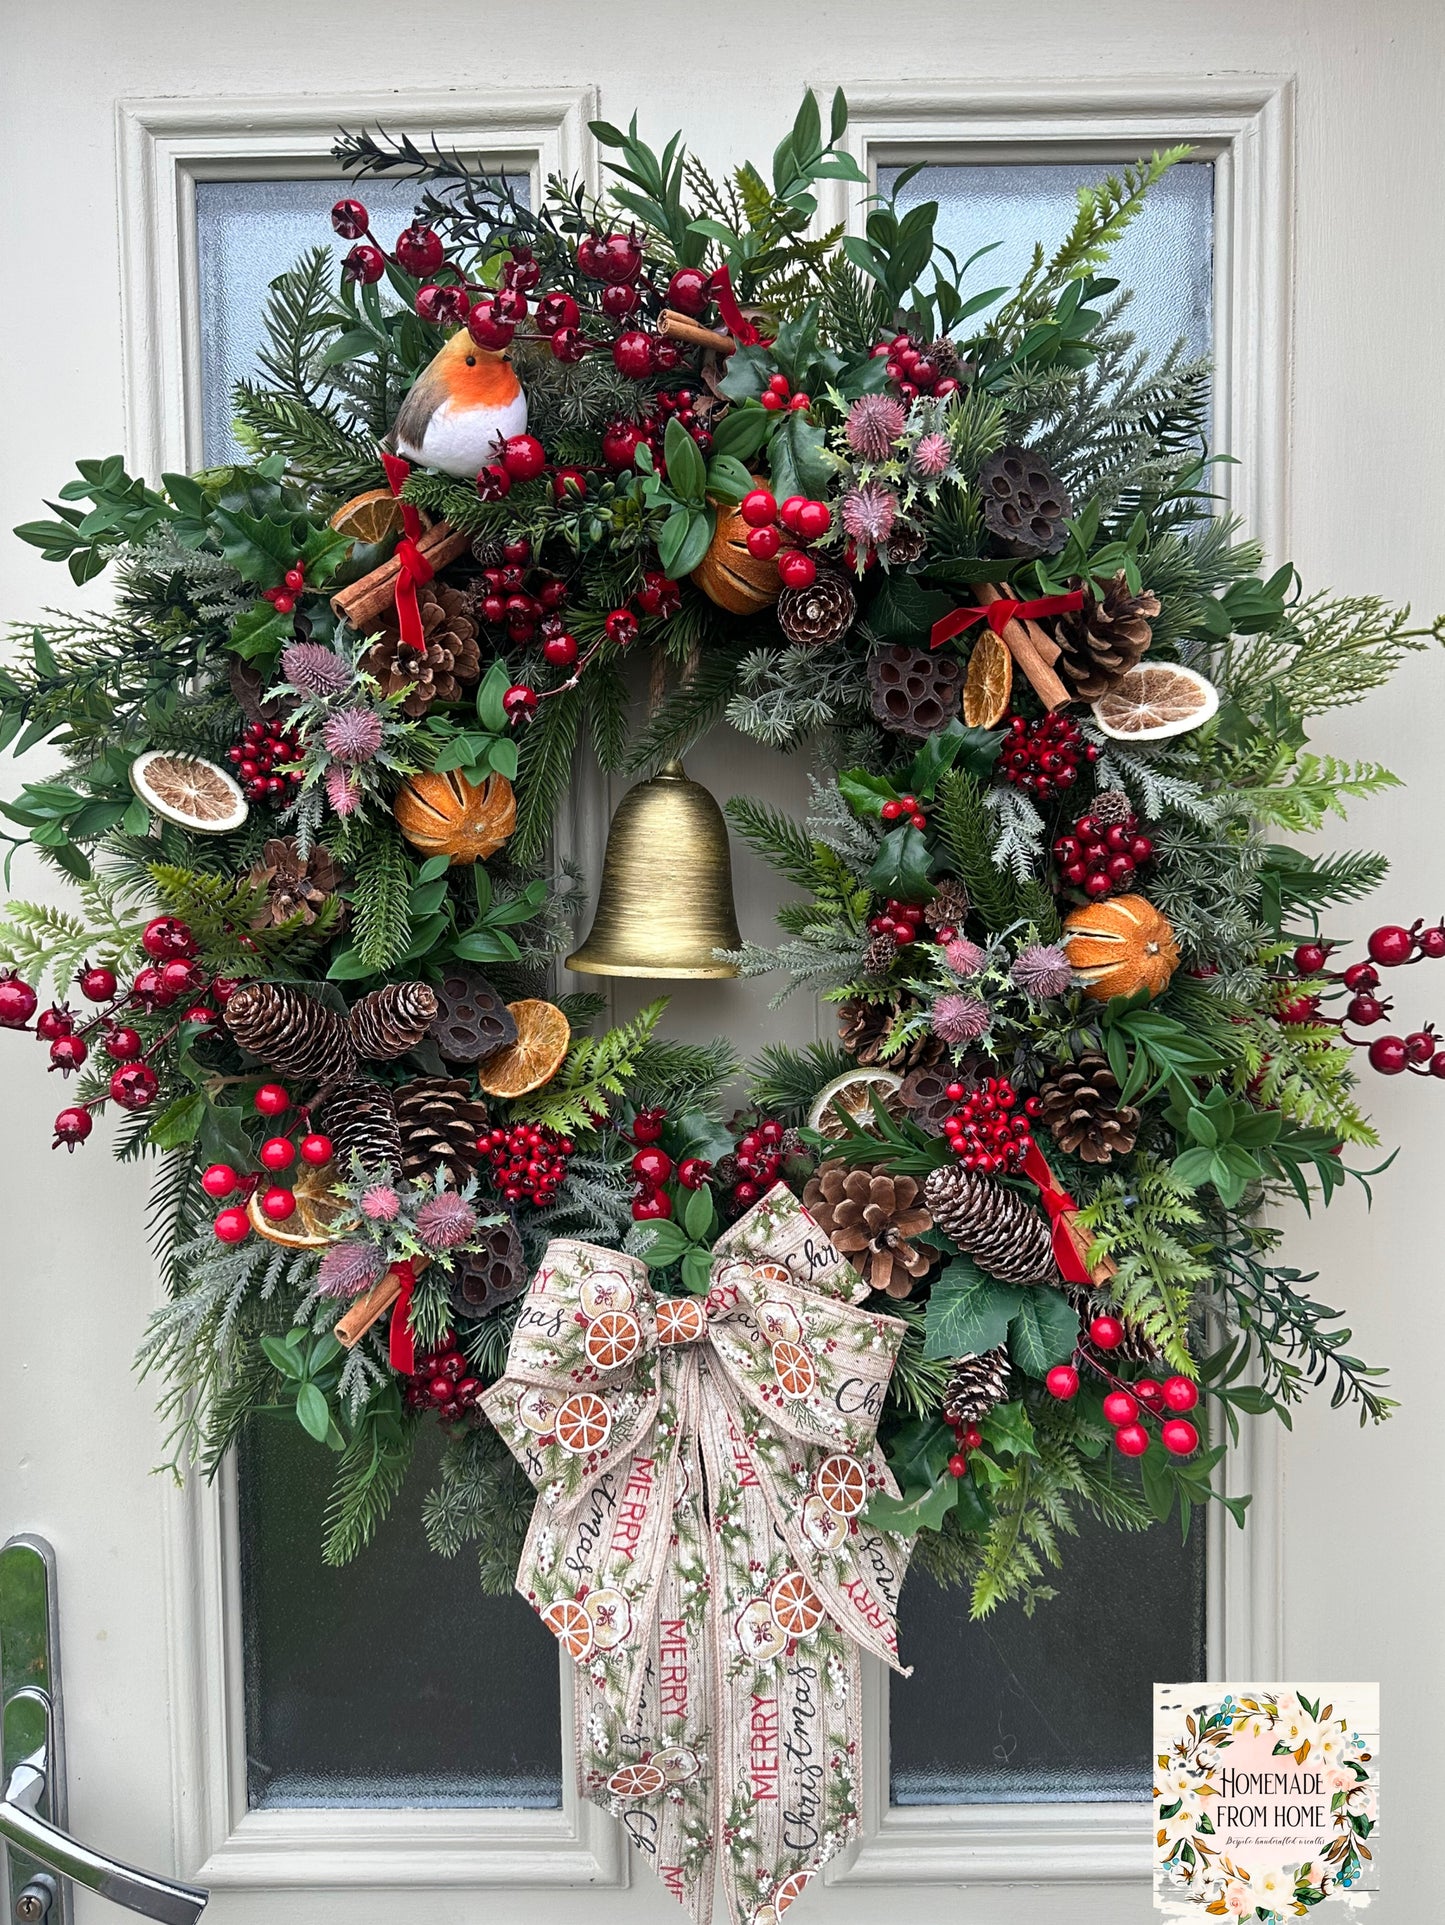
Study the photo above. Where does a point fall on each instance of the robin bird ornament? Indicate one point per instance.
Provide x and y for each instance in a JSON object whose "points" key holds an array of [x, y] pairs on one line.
{"points": [[462, 406]]}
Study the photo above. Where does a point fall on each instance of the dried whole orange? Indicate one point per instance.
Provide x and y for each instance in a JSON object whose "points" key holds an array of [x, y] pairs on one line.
{"points": [[989, 682], [445, 815], [543, 1034], [371, 517], [729, 575], [312, 1225], [1119, 946]]}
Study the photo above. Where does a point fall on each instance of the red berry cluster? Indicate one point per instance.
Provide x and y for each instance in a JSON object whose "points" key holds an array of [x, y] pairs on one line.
{"points": [[1125, 1404], [622, 438], [1100, 858], [528, 1164], [966, 1437], [443, 1382], [903, 921], [267, 761], [912, 369], [989, 1132], [283, 599], [804, 519], [1043, 757], [276, 1156], [1390, 947], [523, 598], [778, 397], [659, 597], [760, 1154]]}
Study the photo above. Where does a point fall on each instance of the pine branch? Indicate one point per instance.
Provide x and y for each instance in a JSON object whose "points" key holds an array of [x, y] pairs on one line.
{"points": [[689, 710], [369, 1473], [545, 771], [381, 896], [785, 1082], [595, 1070], [776, 837]]}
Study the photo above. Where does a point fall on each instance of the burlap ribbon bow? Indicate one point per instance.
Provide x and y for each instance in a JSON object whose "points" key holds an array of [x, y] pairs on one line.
{"points": [[698, 1544]]}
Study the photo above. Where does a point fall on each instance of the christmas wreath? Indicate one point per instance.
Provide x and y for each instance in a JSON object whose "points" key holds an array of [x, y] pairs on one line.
{"points": [[959, 546]]}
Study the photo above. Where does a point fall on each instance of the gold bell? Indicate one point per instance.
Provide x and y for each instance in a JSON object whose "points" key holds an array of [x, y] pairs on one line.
{"points": [[666, 900]]}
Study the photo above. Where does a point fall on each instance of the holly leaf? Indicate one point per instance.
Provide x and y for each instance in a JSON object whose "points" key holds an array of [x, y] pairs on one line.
{"points": [[259, 547], [1008, 1427], [901, 866], [259, 630], [976, 750], [903, 610], [968, 1312], [1044, 1331], [749, 371], [918, 1510], [919, 1452], [222, 1137], [865, 794], [178, 1122], [322, 553]]}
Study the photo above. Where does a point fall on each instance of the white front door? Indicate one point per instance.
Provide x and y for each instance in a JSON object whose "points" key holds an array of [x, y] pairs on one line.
{"points": [[319, 1746]]}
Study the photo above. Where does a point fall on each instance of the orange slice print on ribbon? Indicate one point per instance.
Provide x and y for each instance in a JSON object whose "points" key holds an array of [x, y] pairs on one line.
{"points": [[582, 1423], [680, 1320], [757, 1630], [571, 1627], [789, 1890], [823, 1527], [677, 1764], [537, 1409], [606, 1290], [610, 1616], [770, 1275], [779, 1321], [842, 1485], [612, 1339], [793, 1368], [797, 1609], [636, 1781]]}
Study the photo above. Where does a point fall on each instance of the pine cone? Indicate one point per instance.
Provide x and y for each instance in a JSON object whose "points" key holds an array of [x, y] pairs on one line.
{"points": [[904, 547], [450, 662], [440, 1121], [1111, 808], [1104, 638], [1079, 1106], [913, 691], [864, 1027], [880, 955], [294, 885], [925, 1097], [390, 1021], [472, 1023], [1135, 1347], [1024, 502], [996, 1227], [818, 614], [290, 1033], [976, 1385], [871, 1217], [486, 1278], [360, 1119], [949, 907]]}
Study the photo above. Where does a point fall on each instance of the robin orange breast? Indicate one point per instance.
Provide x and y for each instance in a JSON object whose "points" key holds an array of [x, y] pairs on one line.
{"points": [[463, 404]]}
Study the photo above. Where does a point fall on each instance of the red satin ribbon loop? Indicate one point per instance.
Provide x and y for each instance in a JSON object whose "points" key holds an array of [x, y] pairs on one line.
{"points": [[1061, 1210], [999, 614], [401, 1345], [743, 331], [415, 569]]}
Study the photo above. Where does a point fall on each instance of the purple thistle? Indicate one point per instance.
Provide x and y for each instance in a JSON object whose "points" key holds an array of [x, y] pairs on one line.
{"points": [[869, 513], [875, 421], [963, 957], [349, 1268], [342, 791], [1042, 970], [444, 1221], [380, 1203], [352, 735], [960, 1019], [315, 670], [932, 456]]}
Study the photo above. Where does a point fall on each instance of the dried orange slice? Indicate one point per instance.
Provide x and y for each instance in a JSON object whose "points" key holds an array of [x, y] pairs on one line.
{"points": [[582, 1423], [606, 1290], [779, 1322], [796, 1607], [680, 1320], [789, 1890], [189, 791], [374, 516], [636, 1781], [543, 1034], [793, 1368], [610, 1616], [1154, 699], [854, 1091], [989, 682], [612, 1339], [571, 1627], [312, 1225], [537, 1410], [842, 1485], [756, 1630], [823, 1527]]}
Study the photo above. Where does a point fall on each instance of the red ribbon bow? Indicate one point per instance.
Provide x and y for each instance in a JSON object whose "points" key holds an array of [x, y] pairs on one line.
{"points": [[401, 1344], [743, 331], [415, 569], [999, 614], [1070, 1242]]}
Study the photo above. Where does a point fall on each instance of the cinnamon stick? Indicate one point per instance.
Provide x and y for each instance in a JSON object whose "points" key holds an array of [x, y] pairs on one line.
{"points": [[681, 327], [1033, 650], [366, 1310], [362, 602]]}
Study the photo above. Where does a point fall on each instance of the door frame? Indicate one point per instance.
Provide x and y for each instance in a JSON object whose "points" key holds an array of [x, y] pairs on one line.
{"points": [[163, 148]]}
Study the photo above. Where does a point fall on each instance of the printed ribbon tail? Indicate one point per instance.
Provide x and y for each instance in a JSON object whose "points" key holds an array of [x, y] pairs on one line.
{"points": [[999, 614], [414, 570], [401, 1344], [1071, 1244]]}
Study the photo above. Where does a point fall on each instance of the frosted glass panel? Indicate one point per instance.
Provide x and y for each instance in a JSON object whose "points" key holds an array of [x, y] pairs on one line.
{"points": [[1166, 256], [248, 232]]}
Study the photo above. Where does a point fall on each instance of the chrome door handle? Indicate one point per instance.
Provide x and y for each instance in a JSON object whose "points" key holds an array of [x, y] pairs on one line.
{"points": [[22, 1827]]}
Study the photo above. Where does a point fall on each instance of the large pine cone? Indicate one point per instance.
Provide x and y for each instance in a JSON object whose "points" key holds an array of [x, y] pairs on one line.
{"points": [[450, 662], [390, 1021], [996, 1227], [440, 1121], [913, 691], [821, 613], [496, 1273], [864, 1027], [1079, 1106], [1024, 502], [360, 1119], [290, 1033], [472, 1023], [1103, 639], [976, 1385], [871, 1217]]}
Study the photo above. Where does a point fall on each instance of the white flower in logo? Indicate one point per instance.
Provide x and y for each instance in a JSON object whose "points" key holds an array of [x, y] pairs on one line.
{"points": [[1273, 1884], [1239, 1900]]}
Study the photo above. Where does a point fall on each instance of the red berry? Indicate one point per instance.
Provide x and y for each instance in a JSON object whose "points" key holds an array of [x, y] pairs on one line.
{"points": [[167, 936], [1132, 1440], [295, 579], [519, 703], [523, 457], [493, 484], [1179, 1436], [123, 1045], [560, 651], [272, 1099], [1150, 1393], [788, 513], [419, 250], [774, 403], [232, 1225], [800, 403], [556, 311], [511, 303], [96, 984], [365, 264], [1106, 1333], [617, 257], [693, 1172], [1364, 1010], [200, 1013], [687, 291], [180, 978], [568, 482], [797, 570], [72, 1126], [759, 508], [1388, 1055], [489, 326], [17, 1001], [1420, 1045], [1390, 945], [619, 300], [54, 1022], [1179, 1393], [622, 627], [67, 1053], [443, 306], [350, 220], [620, 442], [814, 519], [1361, 975], [1432, 943], [651, 1206], [1120, 1408], [282, 602], [1310, 958], [278, 1203], [219, 1180], [134, 1085], [647, 1126], [764, 543], [1062, 1382], [958, 1465], [632, 354], [278, 1153], [652, 1165]]}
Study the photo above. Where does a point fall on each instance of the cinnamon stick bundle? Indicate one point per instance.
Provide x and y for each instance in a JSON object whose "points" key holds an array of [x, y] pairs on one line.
{"points": [[1034, 651], [363, 602]]}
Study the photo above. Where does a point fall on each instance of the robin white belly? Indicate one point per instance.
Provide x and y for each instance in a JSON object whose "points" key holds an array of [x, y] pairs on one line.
{"points": [[460, 439]]}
